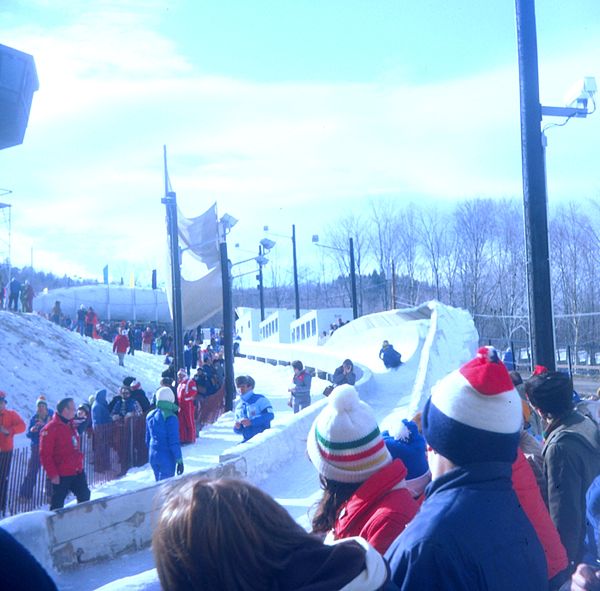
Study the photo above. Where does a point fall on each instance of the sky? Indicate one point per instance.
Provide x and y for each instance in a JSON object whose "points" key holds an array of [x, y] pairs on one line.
{"points": [[281, 111]]}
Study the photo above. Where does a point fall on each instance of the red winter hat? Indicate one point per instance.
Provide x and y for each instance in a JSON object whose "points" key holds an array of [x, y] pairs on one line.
{"points": [[539, 370]]}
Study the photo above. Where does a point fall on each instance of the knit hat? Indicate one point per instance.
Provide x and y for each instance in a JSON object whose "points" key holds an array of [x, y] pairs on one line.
{"points": [[128, 381], [474, 414], [551, 392], [344, 443], [407, 444], [165, 394], [41, 400]]}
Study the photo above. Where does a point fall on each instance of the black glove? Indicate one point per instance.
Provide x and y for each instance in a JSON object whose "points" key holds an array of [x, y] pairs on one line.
{"points": [[179, 468]]}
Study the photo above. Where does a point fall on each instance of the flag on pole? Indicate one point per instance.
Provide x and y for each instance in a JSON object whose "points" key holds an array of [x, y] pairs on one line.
{"points": [[105, 274]]}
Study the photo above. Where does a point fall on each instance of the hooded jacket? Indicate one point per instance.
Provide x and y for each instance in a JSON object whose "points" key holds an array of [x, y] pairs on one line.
{"points": [[379, 510], [571, 462], [60, 451], [100, 412], [470, 533]]}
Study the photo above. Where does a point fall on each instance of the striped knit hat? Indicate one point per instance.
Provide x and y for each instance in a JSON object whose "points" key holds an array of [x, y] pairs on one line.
{"points": [[474, 414], [344, 442]]}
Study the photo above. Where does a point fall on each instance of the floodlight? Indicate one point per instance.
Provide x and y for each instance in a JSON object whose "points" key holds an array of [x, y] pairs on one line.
{"points": [[267, 244]]}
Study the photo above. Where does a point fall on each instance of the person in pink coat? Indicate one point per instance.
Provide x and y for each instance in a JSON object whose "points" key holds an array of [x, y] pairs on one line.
{"points": [[186, 395]]}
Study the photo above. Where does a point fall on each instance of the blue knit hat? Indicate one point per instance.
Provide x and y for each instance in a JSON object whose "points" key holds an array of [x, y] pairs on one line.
{"points": [[407, 444], [474, 413]]}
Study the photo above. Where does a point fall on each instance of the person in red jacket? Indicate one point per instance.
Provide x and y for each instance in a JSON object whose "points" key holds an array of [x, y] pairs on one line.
{"points": [[187, 391], [10, 425], [61, 456], [120, 346], [364, 490]]}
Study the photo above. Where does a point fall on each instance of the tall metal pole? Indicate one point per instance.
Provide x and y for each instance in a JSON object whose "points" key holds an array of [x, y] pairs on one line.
{"points": [[296, 290], [170, 201], [353, 281], [541, 323], [227, 320], [261, 289]]}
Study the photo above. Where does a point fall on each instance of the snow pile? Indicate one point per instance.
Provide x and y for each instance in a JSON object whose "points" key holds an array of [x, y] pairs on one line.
{"points": [[39, 357]]}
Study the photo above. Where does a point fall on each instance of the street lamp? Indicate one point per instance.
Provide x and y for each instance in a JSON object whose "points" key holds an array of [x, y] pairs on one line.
{"points": [[315, 240], [295, 260], [264, 246], [8, 208]]}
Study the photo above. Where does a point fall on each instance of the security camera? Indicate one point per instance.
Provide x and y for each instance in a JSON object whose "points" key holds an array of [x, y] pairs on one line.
{"points": [[579, 94]]}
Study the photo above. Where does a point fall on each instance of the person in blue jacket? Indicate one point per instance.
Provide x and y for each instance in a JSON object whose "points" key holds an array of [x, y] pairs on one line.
{"points": [[390, 357], [253, 412], [471, 534], [162, 436]]}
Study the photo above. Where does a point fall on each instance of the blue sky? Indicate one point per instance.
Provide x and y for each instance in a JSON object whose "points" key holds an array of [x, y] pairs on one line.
{"points": [[282, 111]]}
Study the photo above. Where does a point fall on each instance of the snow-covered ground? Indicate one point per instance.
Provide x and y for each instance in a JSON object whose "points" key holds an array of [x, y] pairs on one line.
{"points": [[43, 358]]}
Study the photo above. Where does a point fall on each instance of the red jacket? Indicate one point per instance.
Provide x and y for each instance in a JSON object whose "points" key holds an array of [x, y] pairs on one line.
{"points": [[529, 495], [186, 394], [59, 448], [120, 344], [379, 510], [14, 424]]}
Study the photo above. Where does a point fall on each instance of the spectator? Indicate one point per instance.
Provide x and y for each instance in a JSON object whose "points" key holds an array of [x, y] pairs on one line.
{"points": [[390, 357], [37, 422], [80, 328], [229, 534], [27, 295], [147, 338], [186, 398], [100, 419], [344, 374], [83, 419], [137, 393], [91, 320], [124, 405], [100, 410], [363, 488], [14, 290], [187, 357], [253, 412], [120, 346], [571, 454], [471, 532], [407, 444], [20, 570], [61, 456], [56, 313], [300, 391], [162, 436], [11, 424]]}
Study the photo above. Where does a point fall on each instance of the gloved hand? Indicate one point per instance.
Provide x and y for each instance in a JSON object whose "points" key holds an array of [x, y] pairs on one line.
{"points": [[179, 468]]}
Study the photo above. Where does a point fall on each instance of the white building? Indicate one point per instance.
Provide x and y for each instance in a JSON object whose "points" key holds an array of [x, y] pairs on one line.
{"points": [[309, 328]]}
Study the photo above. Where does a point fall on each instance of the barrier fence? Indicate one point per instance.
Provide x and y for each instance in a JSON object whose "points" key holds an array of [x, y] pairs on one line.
{"points": [[109, 451]]}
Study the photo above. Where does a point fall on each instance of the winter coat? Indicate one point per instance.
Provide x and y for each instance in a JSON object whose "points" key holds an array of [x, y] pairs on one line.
{"points": [[186, 397], [20, 570], [257, 409], [60, 451], [125, 406], [470, 534], [379, 510], [531, 501], [390, 357], [339, 377], [351, 565], [36, 425], [302, 383], [592, 538], [14, 424], [120, 344], [100, 411], [162, 438], [571, 462]]}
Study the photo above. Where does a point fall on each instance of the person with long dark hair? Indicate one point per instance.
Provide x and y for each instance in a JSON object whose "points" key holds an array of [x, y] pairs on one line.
{"points": [[227, 534]]}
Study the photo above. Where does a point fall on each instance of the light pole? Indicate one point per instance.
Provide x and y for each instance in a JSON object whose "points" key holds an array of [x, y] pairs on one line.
{"points": [[295, 263], [264, 246], [8, 207], [315, 240]]}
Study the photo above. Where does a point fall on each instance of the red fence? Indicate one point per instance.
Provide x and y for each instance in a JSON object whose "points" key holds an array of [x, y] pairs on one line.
{"points": [[109, 451]]}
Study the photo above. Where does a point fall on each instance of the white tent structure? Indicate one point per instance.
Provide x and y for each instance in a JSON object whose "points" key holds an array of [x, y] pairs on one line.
{"points": [[111, 302]]}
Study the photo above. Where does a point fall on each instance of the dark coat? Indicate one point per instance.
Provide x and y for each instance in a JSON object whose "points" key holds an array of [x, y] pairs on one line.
{"points": [[470, 533], [36, 425], [571, 455], [340, 378]]}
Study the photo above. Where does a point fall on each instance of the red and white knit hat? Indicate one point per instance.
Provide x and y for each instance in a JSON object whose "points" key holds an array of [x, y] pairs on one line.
{"points": [[344, 443], [474, 414]]}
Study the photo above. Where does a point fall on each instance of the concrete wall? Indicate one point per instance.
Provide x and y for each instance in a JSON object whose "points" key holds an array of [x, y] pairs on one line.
{"points": [[71, 537]]}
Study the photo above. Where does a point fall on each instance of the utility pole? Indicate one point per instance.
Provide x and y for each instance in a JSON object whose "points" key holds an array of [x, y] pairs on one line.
{"points": [[261, 289], [541, 322], [296, 290], [353, 281], [170, 202], [228, 326]]}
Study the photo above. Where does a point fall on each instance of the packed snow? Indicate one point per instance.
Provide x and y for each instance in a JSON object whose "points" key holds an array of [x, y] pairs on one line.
{"points": [[42, 358]]}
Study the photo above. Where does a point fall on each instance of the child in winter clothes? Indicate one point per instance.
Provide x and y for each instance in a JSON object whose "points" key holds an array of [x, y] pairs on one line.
{"points": [[300, 391], [253, 412], [364, 490]]}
